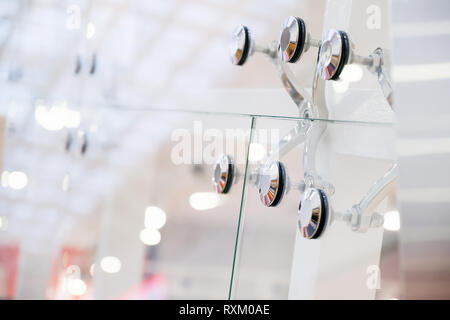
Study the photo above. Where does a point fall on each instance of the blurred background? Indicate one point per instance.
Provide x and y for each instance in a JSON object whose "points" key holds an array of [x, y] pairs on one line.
{"points": [[93, 207]]}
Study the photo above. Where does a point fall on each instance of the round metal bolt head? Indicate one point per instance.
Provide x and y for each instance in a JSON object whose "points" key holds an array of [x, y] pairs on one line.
{"points": [[271, 183], [312, 213], [292, 39], [333, 54], [240, 45], [223, 174]]}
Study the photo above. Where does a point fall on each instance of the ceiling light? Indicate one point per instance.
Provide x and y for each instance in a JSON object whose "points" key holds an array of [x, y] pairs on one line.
{"points": [[3, 223], [17, 180], [90, 30], [204, 200], [392, 220], [76, 287], [66, 182], [155, 217], [150, 237], [57, 117], [110, 264]]}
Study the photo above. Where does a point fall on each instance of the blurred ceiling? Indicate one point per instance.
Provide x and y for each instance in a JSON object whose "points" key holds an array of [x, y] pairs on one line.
{"points": [[146, 53]]}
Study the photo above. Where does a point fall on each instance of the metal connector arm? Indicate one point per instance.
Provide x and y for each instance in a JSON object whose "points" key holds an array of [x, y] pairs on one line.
{"points": [[363, 216], [375, 64], [301, 98]]}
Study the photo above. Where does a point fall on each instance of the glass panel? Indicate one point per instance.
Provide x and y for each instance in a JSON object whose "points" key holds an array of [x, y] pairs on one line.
{"points": [[135, 217], [358, 95], [274, 261]]}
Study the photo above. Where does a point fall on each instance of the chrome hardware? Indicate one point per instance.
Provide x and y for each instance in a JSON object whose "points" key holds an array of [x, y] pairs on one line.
{"points": [[273, 188], [377, 67], [69, 141], [240, 45], [295, 40], [272, 183], [80, 142], [336, 51], [223, 174], [312, 213], [93, 64], [83, 142], [78, 64], [290, 140], [362, 216], [333, 54], [243, 46]]}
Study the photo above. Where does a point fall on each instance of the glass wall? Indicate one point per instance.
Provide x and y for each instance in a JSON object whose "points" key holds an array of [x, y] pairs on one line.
{"points": [[136, 162], [274, 260]]}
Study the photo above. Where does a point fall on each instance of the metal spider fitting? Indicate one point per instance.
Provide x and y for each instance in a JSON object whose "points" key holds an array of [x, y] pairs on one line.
{"points": [[336, 51]]}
